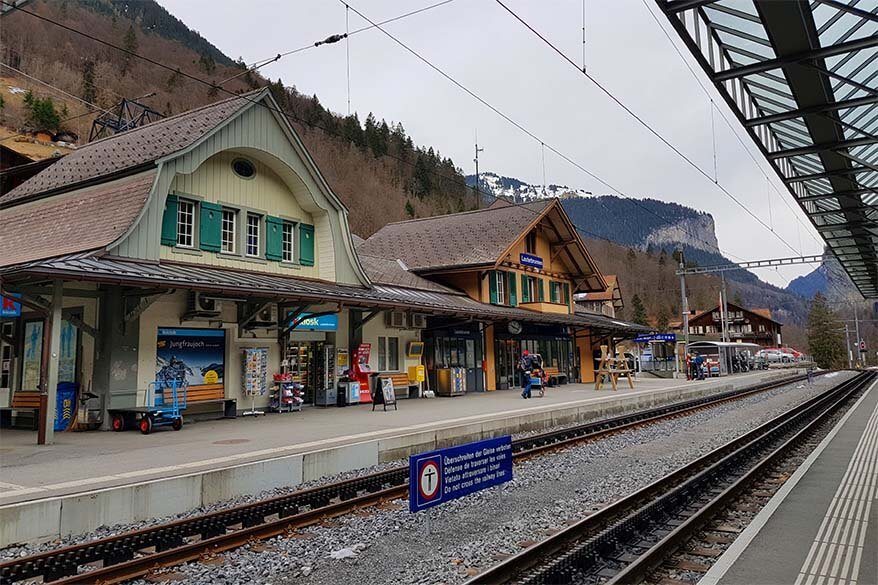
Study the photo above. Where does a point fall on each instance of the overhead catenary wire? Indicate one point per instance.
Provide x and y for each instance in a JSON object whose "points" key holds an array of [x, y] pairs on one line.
{"points": [[259, 63], [516, 124], [452, 179], [646, 125], [328, 131]]}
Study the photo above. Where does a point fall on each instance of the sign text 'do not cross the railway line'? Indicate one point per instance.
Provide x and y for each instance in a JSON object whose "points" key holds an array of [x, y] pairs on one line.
{"points": [[446, 474]]}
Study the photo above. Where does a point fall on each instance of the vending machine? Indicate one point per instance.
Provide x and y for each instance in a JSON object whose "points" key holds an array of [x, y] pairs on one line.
{"points": [[361, 370]]}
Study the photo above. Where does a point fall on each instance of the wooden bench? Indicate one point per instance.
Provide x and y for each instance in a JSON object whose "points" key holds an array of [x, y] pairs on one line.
{"points": [[25, 402], [200, 397], [555, 376], [401, 384]]}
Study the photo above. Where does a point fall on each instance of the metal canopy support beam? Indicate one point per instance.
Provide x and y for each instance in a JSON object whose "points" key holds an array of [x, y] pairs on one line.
{"points": [[821, 53], [827, 146], [752, 264], [51, 365], [675, 6], [851, 9], [818, 109], [82, 325], [828, 174], [142, 305], [851, 195]]}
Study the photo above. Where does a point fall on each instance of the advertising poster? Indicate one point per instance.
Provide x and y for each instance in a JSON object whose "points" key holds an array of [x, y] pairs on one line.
{"points": [[192, 357]]}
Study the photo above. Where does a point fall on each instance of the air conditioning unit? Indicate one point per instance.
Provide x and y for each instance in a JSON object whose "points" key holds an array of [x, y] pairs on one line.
{"points": [[267, 317], [395, 319], [201, 306], [419, 321]]}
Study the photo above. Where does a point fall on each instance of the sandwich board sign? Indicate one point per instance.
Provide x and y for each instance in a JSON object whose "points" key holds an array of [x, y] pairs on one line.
{"points": [[447, 474]]}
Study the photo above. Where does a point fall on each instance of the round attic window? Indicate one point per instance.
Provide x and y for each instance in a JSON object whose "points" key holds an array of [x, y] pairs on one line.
{"points": [[243, 168]]}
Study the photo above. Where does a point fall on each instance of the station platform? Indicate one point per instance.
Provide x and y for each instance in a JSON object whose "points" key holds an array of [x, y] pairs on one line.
{"points": [[90, 479], [821, 527]]}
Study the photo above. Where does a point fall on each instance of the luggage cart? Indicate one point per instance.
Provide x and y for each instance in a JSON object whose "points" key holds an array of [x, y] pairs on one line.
{"points": [[164, 406]]}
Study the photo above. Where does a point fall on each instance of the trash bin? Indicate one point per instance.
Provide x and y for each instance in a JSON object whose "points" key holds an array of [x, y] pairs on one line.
{"points": [[65, 406]]}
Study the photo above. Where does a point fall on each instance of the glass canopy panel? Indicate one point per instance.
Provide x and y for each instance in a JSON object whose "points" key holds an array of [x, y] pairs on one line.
{"points": [[746, 41]]}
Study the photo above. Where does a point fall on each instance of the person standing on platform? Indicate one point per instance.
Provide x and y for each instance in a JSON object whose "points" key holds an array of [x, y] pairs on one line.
{"points": [[525, 365]]}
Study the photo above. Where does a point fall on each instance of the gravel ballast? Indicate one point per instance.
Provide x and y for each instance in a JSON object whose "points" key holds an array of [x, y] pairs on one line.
{"points": [[387, 544]]}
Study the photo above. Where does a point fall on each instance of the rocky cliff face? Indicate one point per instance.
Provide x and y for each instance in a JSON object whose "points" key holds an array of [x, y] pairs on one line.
{"points": [[830, 280], [698, 232]]}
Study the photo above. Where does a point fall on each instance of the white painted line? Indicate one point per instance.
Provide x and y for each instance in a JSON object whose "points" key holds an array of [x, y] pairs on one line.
{"points": [[737, 548]]}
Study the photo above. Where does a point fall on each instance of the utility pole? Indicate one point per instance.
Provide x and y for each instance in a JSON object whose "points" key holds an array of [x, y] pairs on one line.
{"points": [[725, 310], [476, 160], [857, 330], [847, 341], [684, 302]]}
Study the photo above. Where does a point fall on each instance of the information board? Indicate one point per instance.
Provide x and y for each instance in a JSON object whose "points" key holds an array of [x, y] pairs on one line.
{"points": [[447, 474]]}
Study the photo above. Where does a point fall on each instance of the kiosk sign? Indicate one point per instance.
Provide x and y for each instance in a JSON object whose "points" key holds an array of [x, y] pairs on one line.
{"points": [[447, 474]]}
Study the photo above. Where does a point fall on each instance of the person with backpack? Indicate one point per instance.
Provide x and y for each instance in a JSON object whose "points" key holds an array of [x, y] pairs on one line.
{"points": [[525, 365]]}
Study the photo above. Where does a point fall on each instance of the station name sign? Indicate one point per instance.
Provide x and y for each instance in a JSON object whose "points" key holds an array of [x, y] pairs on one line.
{"points": [[447, 474], [531, 260], [656, 337]]}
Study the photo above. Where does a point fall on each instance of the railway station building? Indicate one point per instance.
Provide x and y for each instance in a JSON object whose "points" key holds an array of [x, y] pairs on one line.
{"points": [[208, 247]]}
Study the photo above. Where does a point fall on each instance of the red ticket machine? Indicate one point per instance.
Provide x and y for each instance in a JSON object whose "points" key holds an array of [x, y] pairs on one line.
{"points": [[361, 370]]}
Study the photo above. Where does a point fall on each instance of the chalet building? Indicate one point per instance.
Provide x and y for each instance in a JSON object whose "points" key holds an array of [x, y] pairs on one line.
{"points": [[745, 325], [606, 302], [208, 248], [527, 257]]}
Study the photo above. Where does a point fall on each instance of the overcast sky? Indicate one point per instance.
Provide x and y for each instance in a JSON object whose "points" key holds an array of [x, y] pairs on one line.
{"points": [[484, 48]]}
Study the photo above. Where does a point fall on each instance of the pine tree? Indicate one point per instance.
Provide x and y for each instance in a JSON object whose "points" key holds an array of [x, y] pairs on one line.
{"points": [[662, 321], [129, 43], [207, 64], [638, 311], [41, 113], [737, 300], [89, 92], [409, 210], [824, 335], [631, 258]]}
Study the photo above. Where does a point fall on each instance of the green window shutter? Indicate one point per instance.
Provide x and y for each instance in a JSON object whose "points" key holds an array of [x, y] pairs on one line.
{"points": [[274, 238], [540, 289], [210, 221], [492, 287], [525, 291], [306, 244], [169, 222], [513, 294], [565, 288]]}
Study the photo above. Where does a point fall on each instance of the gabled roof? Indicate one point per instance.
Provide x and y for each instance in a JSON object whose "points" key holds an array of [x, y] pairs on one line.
{"points": [[471, 238], [613, 293], [763, 313], [130, 150], [87, 219], [478, 238]]}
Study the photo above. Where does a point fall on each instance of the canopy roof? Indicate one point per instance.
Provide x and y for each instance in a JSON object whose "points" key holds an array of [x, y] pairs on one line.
{"points": [[802, 77], [93, 267]]}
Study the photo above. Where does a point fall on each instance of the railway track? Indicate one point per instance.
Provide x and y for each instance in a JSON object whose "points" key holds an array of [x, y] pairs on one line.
{"points": [[133, 554], [629, 540]]}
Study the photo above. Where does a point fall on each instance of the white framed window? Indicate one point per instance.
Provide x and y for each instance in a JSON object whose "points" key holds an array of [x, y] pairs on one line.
{"points": [[254, 235], [500, 279], [185, 223], [288, 238], [532, 290], [388, 354], [229, 231]]}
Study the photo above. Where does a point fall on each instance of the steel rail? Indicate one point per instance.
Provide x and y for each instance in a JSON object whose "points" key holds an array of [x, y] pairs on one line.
{"points": [[123, 556], [638, 570], [602, 530]]}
